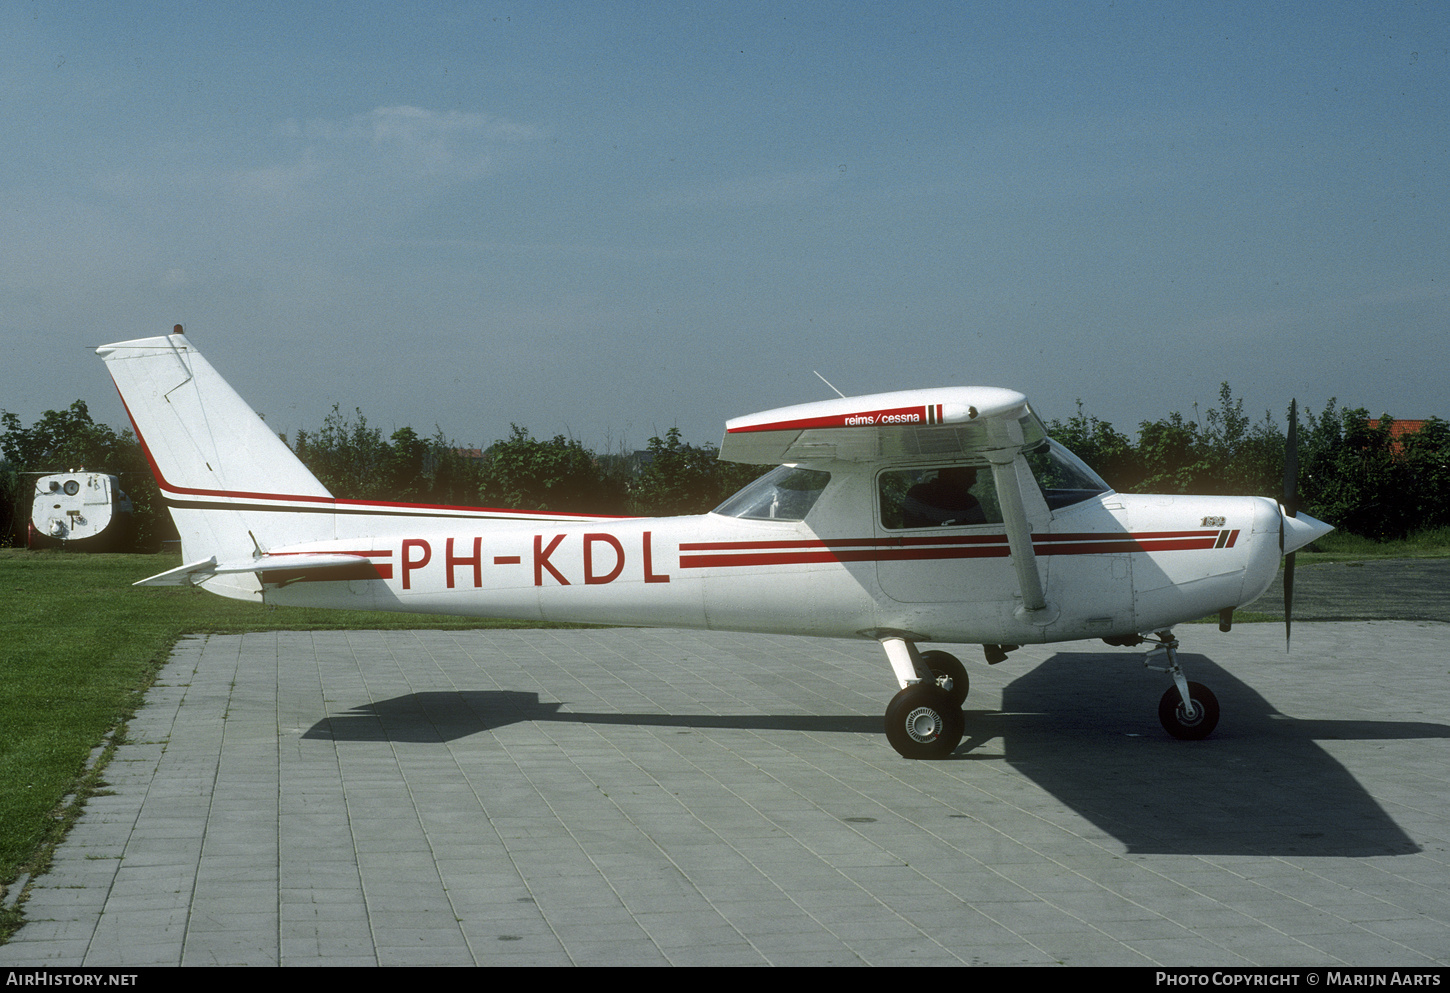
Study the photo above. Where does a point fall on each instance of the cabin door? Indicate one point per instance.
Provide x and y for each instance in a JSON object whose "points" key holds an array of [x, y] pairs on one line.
{"points": [[942, 537]]}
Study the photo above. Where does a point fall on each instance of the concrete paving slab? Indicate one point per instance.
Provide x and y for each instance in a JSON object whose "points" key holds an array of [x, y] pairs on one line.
{"points": [[629, 797]]}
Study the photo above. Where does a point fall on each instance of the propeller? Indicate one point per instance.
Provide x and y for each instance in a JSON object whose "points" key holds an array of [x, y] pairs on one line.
{"points": [[1289, 508]]}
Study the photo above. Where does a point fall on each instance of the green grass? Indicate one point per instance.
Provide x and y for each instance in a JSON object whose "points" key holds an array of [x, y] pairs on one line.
{"points": [[78, 648], [1340, 546]]}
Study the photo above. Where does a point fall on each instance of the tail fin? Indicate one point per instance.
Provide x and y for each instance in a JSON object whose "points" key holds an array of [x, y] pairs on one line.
{"points": [[233, 487]]}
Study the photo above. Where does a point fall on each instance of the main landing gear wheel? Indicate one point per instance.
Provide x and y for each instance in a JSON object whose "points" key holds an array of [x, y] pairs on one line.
{"points": [[1175, 720], [946, 664], [923, 721]]}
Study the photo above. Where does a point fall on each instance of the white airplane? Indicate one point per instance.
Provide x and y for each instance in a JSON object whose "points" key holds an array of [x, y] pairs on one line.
{"points": [[922, 516]]}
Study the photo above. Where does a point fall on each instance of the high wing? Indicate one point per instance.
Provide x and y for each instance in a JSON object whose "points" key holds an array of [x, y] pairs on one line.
{"points": [[982, 424], [953, 422]]}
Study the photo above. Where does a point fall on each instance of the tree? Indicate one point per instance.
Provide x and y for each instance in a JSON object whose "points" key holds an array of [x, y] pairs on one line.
{"points": [[1227, 454], [355, 462], [348, 457], [456, 478], [10, 491], [1172, 455], [522, 473], [405, 468], [1110, 453], [1426, 456], [1347, 472], [1241, 459], [61, 441], [1323, 491], [679, 478]]}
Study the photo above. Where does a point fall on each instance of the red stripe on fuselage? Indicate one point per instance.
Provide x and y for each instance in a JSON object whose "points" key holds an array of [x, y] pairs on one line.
{"points": [[713, 554]]}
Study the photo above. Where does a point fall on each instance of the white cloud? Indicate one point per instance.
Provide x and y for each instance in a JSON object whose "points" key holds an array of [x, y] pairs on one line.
{"points": [[415, 142], [276, 182]]}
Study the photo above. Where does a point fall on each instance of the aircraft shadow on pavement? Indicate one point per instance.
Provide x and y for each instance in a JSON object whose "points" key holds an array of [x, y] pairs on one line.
{"points": [[1084, 728], [447, 716]]}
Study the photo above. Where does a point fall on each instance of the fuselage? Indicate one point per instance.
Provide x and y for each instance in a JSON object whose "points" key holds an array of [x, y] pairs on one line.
{"points": [[1110, 565]]}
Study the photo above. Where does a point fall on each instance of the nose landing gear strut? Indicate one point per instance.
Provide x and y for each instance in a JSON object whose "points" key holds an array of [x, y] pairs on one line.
{"points": [[1188, 711]]}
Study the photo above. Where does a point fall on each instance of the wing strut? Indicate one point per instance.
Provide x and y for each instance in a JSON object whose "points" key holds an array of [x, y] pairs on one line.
{"points": [[1019, 536]]}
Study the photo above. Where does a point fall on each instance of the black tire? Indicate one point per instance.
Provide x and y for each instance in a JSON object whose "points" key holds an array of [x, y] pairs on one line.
{"points": [[946, 664], [1170, 713], [924, 722]]}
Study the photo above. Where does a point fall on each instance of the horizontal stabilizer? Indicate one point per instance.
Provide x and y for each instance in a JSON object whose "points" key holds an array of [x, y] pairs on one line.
{"points": [[272, 569], [187, 575]]}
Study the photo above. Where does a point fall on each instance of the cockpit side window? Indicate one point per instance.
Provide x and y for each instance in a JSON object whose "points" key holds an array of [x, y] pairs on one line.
{"points": [[1064, 478], [944, 496], [786, 493]]}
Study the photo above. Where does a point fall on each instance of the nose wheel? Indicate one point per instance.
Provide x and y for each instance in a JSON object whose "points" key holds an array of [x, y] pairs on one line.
{"points": [[1185, 724], [1187, 711]]}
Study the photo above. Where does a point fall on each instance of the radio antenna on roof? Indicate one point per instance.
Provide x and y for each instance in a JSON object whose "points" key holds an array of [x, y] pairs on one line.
{"points": [[828, 383]]}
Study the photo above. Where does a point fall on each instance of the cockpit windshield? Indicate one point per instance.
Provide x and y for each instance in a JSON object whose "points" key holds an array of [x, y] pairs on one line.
{"points": [[1064, 478], [786, 493]]}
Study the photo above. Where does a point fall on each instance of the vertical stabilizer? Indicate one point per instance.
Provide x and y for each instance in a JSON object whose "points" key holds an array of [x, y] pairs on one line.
{"points": [[233, 487]]}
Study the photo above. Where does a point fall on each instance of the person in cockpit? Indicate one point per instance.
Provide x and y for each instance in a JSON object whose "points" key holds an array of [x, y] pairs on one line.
{"points": [[944, 500]]}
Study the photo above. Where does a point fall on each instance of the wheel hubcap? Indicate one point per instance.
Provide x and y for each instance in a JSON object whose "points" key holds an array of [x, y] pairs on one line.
{"points": [[923, 724]]}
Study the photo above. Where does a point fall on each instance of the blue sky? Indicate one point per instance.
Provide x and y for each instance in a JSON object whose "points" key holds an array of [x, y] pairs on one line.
{"points": [[606, 219]]}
